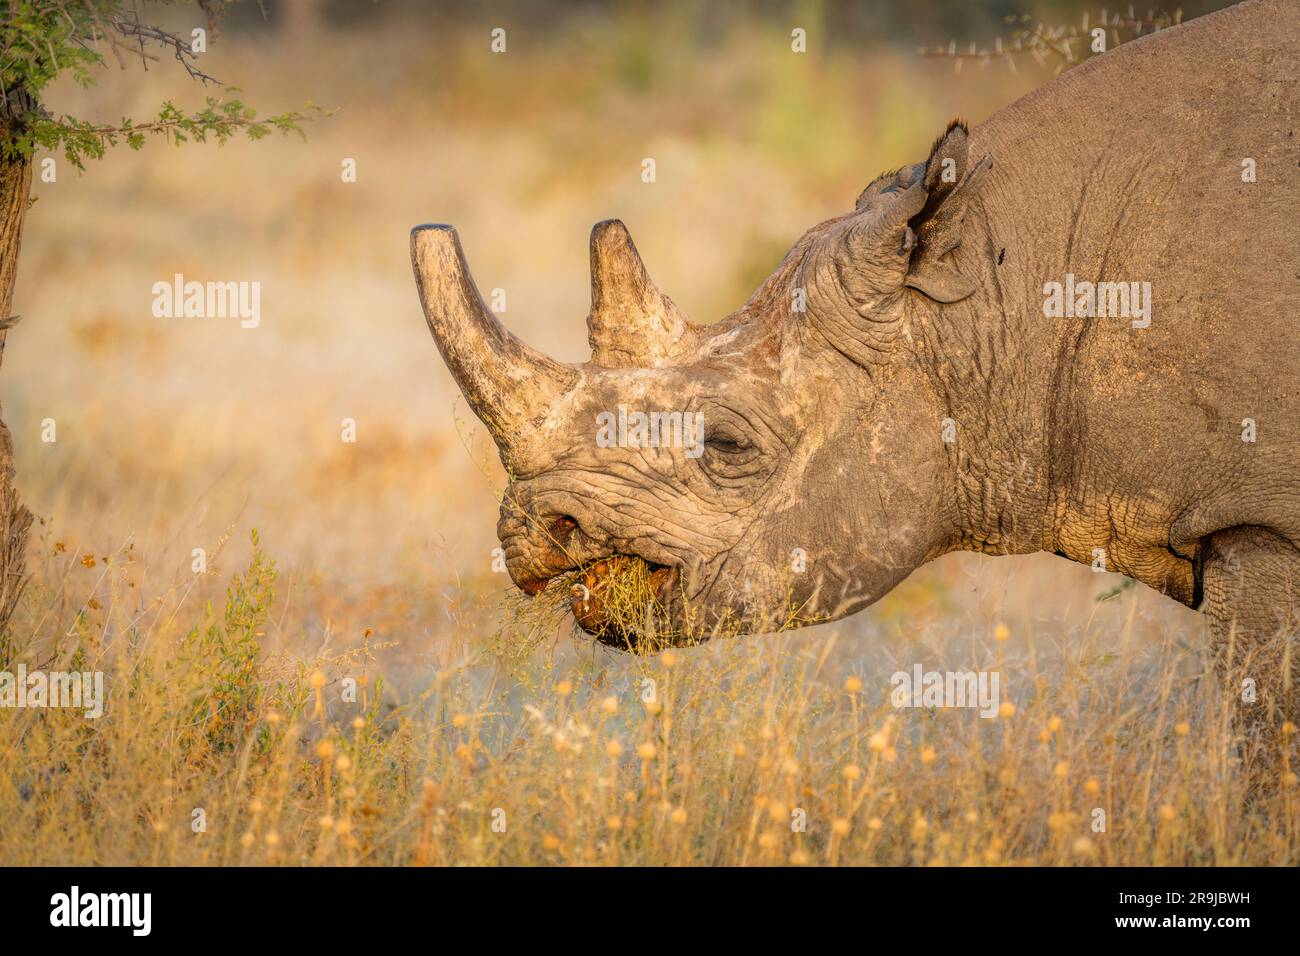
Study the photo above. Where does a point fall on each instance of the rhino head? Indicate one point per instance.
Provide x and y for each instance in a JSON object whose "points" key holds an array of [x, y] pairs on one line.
{"points": [[790, 467]]}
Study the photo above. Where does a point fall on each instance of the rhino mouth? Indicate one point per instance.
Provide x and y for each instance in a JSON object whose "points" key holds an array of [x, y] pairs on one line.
{"points": [[623, 600]]}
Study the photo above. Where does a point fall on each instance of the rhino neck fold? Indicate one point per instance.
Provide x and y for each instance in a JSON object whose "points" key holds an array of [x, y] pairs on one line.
{"points": [[990, 359]]}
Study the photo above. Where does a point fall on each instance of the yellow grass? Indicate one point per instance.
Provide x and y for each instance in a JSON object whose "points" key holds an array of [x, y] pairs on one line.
{"points": [[740, 752], [480, 730]]}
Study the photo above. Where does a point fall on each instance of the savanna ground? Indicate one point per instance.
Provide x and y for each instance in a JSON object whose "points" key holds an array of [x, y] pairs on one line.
{"points": [[479, 733]]}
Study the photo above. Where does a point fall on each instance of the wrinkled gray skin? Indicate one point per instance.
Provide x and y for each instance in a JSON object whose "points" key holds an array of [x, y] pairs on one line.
{"points": [[825, 427]]}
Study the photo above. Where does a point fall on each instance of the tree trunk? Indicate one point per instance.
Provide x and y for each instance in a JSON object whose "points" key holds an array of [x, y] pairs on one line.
{"points": [[15, 520]]}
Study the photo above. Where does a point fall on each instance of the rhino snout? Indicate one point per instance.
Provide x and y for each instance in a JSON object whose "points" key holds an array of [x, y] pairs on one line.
{"points": [[537, 549]]}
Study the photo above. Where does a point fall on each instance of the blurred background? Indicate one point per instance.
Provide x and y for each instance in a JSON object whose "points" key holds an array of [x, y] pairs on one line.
{"points": [[176, 434]]}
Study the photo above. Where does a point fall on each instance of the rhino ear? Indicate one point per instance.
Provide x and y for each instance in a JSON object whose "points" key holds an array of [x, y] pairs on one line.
{"points": [[939, 282], [908, 220], [890, 182], [946, 167], [904, 223], [938, 226]]}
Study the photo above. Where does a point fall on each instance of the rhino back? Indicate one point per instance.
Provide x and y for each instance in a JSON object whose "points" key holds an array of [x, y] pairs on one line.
{"points": [[1129, 168]]}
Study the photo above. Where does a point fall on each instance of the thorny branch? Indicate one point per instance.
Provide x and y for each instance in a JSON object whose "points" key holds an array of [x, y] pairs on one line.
{"points": [[90, 26], [1040, 41], [56, 37], [133, 29]]}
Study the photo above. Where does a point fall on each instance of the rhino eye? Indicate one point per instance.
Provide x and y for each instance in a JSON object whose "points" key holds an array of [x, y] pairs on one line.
{"points": [[737, 447], [727, 444], [732, 459]]}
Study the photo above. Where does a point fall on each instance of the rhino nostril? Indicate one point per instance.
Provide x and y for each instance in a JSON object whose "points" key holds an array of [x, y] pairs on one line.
{"points": [[554, 558], [561, 529]]}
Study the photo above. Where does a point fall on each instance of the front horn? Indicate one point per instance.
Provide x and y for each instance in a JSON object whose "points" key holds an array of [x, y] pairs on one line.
{"points": [[510, 386]]}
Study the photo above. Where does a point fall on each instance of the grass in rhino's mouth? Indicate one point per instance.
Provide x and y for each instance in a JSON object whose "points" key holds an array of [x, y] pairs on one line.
{"points": [[623, 601], [619, 600], [611, 597]]}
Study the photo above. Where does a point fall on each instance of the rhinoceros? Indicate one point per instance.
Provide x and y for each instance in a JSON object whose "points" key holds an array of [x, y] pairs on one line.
{"points": [[1071, 329]]}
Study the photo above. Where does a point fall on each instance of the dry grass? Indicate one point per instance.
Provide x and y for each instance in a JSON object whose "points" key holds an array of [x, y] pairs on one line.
{"points": [[173, 432], [739, 752], [617, 597]]}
